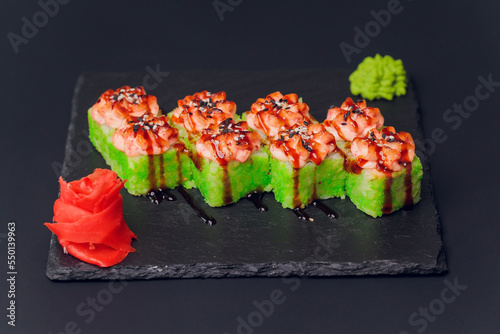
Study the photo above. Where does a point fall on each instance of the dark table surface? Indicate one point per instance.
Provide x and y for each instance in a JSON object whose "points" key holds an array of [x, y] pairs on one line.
{"points": [[450, 50]]}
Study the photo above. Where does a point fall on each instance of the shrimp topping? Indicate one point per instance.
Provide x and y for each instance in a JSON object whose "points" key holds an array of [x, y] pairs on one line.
{"points": [[114, 106], [276, 113], [145, 135], [352, 120], [385, 150], [230, 141], [203, 110], [303, 143]]}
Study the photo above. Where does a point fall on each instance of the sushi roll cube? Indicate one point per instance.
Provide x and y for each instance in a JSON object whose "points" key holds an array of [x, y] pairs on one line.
{"points": [[292, 187], [129, 151], [331, 177], [377, 193], [226, 184], [302, 161], [277, 112], [352, 120], [198, 112], [229, 164], [385, 174]]}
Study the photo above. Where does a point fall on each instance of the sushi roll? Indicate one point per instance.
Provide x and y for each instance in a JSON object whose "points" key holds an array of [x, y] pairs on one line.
{"points": [[229, 163], [277, 112], [385, 173], [198, 112], [347, 122], [277, 146], [352, 120], [111, 111], [137, 142], [305, 166], [114, 106]]}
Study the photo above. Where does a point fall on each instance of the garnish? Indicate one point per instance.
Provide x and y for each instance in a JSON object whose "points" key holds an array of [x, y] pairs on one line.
{"points": [[89, 220], [379, 77]]}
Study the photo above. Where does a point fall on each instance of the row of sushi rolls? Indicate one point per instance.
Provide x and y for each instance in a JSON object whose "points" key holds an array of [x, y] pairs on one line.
{"points": [[275, 146]]}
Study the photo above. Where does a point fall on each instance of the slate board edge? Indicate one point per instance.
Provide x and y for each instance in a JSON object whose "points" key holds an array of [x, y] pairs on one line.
{"points": [[217, 270], [441, 260]]}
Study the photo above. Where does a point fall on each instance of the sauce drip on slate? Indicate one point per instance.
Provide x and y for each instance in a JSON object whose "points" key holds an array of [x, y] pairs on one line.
{"points": [[301, 214], [157, 196], [317, 203], [207, 219], [326, 209], [256, 198]]}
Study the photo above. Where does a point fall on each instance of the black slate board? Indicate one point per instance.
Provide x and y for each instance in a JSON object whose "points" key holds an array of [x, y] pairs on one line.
{"points": [[174, 242]]}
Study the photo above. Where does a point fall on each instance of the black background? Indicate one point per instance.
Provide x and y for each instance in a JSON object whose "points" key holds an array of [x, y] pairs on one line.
{"points": [[445, 47]]}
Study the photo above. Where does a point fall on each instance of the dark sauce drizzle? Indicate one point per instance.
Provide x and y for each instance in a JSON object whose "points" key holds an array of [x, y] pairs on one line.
{"points": [[162, 171], [408, 203], [387, 208], [256, 198], [157, 193], [326, 209], [207, 219], [301, 214], [152, 172], [296, 197], [179, 149], [157, 196]]}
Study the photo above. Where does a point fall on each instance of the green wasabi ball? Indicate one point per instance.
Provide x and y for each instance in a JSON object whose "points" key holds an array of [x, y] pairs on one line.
{"points": [[379, 77]]}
